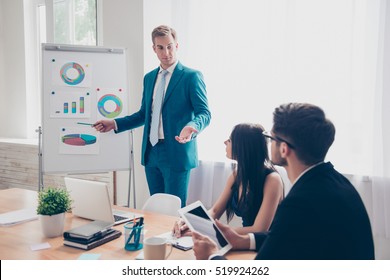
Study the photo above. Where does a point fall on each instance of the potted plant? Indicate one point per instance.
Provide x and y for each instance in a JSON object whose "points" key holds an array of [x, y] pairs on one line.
{"points": [[52, 205]]}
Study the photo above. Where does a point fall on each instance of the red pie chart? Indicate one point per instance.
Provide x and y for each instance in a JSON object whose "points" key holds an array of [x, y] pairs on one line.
{"points": [[78, 139]]}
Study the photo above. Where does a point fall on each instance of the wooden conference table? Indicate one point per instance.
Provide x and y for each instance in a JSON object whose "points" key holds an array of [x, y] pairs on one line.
{"points": [[16, 240]]}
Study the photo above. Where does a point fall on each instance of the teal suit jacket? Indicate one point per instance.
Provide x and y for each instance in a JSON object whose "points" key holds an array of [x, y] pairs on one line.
{"points": [[185, 103]]}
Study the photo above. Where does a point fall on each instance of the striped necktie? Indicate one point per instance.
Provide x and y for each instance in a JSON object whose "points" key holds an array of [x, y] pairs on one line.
{"points": [[157, 104]]}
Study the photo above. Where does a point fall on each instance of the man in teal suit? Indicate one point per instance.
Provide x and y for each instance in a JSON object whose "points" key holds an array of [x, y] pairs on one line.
{"points": [[169, 149]]}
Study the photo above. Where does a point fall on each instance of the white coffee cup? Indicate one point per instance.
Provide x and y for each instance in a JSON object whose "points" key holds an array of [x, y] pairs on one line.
{"points": [[155, 248]]}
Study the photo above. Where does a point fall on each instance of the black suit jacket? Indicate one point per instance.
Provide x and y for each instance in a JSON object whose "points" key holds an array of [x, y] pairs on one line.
{"points": [[322, 217]]}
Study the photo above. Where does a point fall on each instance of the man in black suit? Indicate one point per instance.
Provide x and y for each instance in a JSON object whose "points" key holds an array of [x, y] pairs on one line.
{"points": [[323, 216]]}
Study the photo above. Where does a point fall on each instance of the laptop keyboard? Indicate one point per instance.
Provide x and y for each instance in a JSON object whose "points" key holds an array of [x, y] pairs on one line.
{"points": [[119, 218]]}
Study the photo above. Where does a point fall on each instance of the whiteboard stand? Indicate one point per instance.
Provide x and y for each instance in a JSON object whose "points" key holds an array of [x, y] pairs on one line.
{"points": [[40, 171], [131, 173]]}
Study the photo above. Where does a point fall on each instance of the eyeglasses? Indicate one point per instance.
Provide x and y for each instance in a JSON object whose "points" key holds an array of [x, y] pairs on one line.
{"points": [[277, 139]]}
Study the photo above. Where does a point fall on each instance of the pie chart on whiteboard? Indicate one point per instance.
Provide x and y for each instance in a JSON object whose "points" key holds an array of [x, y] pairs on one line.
{"points": [[79, 139]]}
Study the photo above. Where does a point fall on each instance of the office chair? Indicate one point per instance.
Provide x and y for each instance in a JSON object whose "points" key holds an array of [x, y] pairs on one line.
{"points": [[163, 203]]}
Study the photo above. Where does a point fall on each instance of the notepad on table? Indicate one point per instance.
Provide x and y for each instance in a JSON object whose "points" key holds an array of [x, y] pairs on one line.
{"points": [[18, 216], [183, 243]]}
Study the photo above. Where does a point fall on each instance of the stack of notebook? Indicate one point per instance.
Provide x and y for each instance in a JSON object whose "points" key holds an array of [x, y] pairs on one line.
{"points": [[90, 235]]}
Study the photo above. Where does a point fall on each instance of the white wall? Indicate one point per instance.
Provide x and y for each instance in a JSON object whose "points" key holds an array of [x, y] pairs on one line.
{"points": [[2, 65], [32, 95], [13, 90]]}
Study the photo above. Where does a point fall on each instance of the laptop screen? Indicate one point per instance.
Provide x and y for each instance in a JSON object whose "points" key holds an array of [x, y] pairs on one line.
{"points": [[91, 200]]}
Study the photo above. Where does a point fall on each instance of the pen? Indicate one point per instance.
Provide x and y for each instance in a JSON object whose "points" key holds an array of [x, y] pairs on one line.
{"points": [[141, 221], [130, 236], [137, 237], [139, 231], [83, 123]]}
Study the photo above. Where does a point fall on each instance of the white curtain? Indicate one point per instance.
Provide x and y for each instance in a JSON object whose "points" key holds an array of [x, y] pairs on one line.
{"points": [[258, 54], [207, 181], [381, 136]]}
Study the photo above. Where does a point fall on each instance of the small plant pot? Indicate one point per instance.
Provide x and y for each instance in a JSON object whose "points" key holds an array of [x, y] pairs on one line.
{"points": [[52, 226]]}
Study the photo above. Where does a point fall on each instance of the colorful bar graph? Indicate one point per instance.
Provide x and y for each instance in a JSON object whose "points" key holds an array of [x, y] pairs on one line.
{"points": [[81, 105], [66, 107], [73, 107]]}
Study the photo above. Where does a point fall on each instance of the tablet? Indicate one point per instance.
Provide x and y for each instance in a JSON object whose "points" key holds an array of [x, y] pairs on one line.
{"points": [[198, 219]]}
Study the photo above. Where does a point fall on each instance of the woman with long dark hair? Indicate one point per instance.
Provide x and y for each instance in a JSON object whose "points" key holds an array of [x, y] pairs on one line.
{"points": [[254, 190]]}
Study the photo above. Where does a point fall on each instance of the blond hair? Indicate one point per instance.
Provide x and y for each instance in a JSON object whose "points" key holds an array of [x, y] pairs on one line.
{"points": [[162, 31]]}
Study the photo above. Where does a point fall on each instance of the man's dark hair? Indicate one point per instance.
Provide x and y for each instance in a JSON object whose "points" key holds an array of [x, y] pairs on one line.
{"points": [[305, 127]]}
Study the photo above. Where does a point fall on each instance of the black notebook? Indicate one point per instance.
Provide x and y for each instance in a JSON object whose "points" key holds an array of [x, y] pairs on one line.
{"points": [[106, 238]]}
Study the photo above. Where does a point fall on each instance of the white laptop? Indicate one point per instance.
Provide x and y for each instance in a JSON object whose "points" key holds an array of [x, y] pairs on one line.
{"points": [[91, 200]]}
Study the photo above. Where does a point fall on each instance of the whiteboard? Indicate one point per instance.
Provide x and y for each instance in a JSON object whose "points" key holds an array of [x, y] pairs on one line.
{"points": [[80, 86]]}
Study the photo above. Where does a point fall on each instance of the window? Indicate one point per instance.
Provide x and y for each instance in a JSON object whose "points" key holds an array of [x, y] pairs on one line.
{"points": [[75, 22]]}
